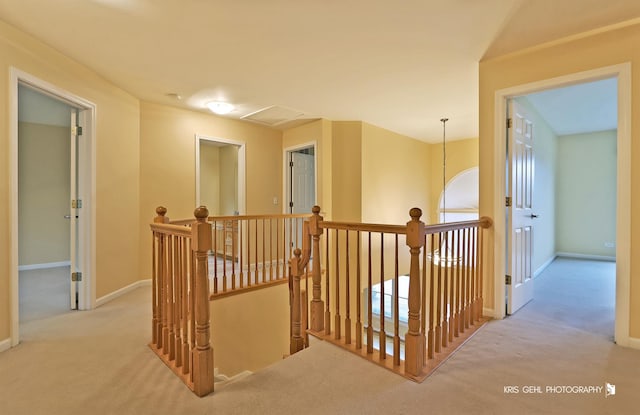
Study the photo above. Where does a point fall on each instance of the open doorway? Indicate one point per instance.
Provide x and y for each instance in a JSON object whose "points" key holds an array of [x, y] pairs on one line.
{"points": [[52, 207], [614, 242], [44, 192], [300, 178]]}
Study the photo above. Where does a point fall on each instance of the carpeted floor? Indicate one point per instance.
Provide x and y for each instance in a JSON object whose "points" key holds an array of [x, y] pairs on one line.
{"points": [[97, 362]]}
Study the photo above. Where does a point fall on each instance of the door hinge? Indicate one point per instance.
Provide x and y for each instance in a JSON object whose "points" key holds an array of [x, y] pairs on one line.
{"points": [[76, 276], [77, 130], [291, 164], [507, 279], [76, 204], [509, 122], [507, 201], [291, 204]]}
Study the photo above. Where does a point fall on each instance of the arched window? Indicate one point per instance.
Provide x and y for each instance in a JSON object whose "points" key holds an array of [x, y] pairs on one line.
{"points": [[461, 201]]}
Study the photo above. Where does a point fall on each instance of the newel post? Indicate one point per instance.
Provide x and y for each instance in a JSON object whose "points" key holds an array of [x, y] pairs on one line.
{"points": [[317, 305], [414, 340], [157, 266], [203, 352], [297, 341]]}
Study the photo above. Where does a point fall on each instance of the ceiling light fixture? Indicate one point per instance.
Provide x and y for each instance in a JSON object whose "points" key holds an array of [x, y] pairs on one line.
{"points": [[220, 107]]}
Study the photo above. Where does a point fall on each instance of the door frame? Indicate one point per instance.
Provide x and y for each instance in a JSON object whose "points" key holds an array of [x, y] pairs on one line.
{"points": [[242, 157], [286, 172], [622, 72], [86, 189]]}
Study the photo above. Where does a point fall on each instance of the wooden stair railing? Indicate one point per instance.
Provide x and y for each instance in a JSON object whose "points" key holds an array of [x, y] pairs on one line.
{"points": [[180, 299], [203, 259], [442, 307]]}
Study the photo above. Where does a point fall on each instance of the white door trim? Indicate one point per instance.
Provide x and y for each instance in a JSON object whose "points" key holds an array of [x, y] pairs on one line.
{"points": [[286, 172], [242, 157], [623, 210], [86, 169]]}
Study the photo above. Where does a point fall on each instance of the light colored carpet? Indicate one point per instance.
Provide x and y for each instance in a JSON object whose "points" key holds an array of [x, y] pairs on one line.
{"points": [[43, 293], [98, 362]]}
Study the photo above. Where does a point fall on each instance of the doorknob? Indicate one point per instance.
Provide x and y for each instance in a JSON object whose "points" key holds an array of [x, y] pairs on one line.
{"points": [[69, 216], [533, 216]]}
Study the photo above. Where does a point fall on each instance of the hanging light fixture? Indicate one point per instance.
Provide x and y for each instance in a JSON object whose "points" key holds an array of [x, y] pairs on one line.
{"points": [[443, 254]]}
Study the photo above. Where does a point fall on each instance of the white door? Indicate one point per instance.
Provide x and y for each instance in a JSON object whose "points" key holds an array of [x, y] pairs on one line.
{"points": [[302, 182], [520, 212], [75, 206]]}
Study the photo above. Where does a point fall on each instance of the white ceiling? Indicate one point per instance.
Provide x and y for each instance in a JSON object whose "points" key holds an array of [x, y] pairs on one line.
{"points": [[399, 65]]}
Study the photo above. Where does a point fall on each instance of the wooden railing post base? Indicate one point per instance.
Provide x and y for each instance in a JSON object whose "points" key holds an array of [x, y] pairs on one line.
{"points": [[317, 315], [203, 372], [414, 347]]}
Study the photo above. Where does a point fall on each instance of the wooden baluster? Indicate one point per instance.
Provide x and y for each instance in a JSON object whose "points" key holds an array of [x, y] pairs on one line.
{"points": [[264, 257], [438, 293], [241, 253], [337, 323], [474, 269], [432, 289], [270, 249], [178, 295], [459, 262], [158, 272], [414, 342], [317, 305], [203, 355], [234, 253], [425, 316], [169, 340], [347, 321], [186, 253], [192, 309], [256, 275], [215, 255], [327, 313], [382, 337], [358, 296], [370, 301], [445, 259], [297, 342], [453, 263], [396, 308]]}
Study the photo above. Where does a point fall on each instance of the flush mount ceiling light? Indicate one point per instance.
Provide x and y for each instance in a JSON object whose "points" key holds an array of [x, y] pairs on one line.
{"points": [[220, 107]]}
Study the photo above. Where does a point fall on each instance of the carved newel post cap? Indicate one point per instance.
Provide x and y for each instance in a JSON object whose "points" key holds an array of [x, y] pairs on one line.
{"points": [[161, 210], [415, 213], [201, 213], [297, 252], [315, 210]]}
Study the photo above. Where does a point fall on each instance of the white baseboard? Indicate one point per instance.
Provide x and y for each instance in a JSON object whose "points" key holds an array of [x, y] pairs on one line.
{"points": [[584, 256], [488, 312], [544, 266], [634, 343], [5, 345], [112, 296], [44, 265]]}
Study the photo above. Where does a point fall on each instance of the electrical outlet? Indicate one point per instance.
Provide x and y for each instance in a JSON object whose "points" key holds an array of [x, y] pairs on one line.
{"points": [[275, 200]]}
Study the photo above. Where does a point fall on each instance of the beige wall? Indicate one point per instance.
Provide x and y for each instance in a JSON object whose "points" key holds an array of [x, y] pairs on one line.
{"points": [[586, 193], [461, 155], [117, 158], [43, 193], [346, 171], [560, 59], [167, 164], [395, 176], [250, 331]]}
